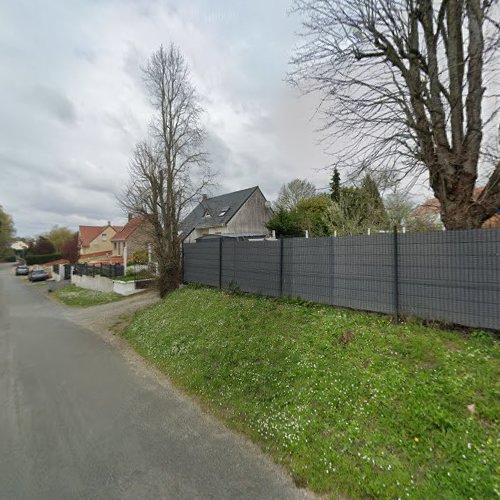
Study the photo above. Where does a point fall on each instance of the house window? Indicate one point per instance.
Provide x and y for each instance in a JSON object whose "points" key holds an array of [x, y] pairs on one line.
{"points": [[223, 211], [104, 237]]}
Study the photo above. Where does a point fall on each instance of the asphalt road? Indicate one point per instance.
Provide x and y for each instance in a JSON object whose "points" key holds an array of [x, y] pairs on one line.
{"points": [[78, 421]]}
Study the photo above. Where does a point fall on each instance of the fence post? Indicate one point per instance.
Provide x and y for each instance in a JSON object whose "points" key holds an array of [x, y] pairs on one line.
{"points": [[396, 274], [183, 263], [281, 266], [220, 262]]}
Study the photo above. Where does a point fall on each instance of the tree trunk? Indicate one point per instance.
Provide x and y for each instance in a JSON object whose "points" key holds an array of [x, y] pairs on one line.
{"points": [[462, 216]]}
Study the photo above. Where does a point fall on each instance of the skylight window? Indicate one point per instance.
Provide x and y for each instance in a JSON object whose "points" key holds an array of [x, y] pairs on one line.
{"points": [[222, 213]]}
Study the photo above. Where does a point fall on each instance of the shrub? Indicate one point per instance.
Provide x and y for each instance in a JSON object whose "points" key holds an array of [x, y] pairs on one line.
{"points": [[139, 257], [7, 255]]}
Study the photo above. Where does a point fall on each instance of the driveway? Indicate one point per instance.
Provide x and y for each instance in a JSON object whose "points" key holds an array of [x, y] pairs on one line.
{"points": [[79, 419]]}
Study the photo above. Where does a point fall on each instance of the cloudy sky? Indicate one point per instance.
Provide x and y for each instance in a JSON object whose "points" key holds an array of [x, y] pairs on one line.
{"points": [[73, 102]]}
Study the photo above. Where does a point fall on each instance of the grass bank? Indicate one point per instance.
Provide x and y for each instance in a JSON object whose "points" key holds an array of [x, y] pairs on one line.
{"points": [[347, 401], [72, 295]]}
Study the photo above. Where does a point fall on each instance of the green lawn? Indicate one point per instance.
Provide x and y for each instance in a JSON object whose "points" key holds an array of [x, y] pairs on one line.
{"points": [[72, 295], [347, 401]]}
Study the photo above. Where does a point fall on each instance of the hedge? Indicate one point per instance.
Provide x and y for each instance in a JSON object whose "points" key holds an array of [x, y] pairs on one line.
{"points": [[42, 259], [10, 258]]}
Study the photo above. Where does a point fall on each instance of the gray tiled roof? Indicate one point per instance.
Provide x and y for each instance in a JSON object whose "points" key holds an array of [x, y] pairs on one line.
{"points": [[228, 203]]}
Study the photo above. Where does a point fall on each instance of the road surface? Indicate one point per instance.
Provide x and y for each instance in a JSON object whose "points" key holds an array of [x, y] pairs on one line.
{"points": [[77, 420]]}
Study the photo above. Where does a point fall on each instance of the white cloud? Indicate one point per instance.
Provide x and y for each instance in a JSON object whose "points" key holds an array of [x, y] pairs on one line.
{"points": [[73, 103]]}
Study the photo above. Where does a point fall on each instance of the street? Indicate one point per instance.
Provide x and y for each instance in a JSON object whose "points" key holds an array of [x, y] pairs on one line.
{"points": [[78, 421]]}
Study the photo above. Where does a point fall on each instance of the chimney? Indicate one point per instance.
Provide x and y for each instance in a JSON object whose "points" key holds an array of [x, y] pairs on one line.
{"points": [[204, 197], [130, 216], [109, 223]]}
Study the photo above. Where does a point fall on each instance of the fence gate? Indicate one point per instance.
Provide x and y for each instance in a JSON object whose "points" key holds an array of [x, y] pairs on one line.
{"points": [[67, 271]]}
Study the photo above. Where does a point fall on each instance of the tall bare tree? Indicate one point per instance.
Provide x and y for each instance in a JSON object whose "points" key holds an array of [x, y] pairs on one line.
{"points": [[293, 192], [403, 84], [170, 169]]}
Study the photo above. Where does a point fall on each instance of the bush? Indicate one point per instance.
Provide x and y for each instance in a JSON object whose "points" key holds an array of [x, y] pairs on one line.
{"points": [[42, 259], [139, 257], [7, 255]]}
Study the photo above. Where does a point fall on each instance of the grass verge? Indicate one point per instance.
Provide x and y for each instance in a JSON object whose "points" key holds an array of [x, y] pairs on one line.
{"points": [[347, 401], [72, 295]]}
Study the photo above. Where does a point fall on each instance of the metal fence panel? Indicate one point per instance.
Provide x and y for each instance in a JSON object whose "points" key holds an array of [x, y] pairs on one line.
{"points": [[307, 268], [252, 266], [451, 276], [363, 272], [201, 263]]}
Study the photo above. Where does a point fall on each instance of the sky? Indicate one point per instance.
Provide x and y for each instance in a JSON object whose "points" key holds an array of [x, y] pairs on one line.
{"points": [[73, 102]]}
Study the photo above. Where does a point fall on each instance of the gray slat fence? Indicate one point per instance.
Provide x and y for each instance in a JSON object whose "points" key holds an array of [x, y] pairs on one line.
{"points": [[451, 276]]}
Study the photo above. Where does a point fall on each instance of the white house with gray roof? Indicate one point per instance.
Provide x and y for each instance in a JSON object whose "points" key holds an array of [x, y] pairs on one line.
{"points": [[239, 214]]}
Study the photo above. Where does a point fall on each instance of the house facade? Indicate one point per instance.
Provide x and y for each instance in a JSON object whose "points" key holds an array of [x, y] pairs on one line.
{"points": [[95, 240], [238, 214], [132, 238], [19, 247]]}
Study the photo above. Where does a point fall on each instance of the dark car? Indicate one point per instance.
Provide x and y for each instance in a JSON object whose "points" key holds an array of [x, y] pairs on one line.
{"points": [[39, 275], [22, 270]]}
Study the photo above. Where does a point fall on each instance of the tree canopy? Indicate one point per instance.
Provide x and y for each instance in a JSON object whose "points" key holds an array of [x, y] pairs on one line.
{"points": [[357, 209], [70, 249], [58, 235], [293, 192], [41, 246], [7, 233], [7, 230]]}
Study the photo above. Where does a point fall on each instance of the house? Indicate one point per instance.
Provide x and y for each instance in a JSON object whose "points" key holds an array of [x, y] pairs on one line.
{"points": [[96, 240], [239, 214], [132, 238], [19, 247], [432, 209]]}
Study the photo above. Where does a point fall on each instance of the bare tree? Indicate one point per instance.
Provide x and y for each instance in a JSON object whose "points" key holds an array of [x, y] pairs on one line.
{"points": [[293, 192], [403, 83], [170, 170], [401, 212]]}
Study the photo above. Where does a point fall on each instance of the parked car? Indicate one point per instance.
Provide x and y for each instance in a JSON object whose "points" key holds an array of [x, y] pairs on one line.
{"points": [[22, 270], [39, 275]]}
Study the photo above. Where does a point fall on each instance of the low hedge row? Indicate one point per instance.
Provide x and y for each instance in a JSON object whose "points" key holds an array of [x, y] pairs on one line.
{"points": [[42, 259]]}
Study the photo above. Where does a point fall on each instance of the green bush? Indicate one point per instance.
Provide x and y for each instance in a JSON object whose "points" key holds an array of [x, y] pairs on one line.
{"points": [[139, 257], [7, 254], [42, 259]]}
